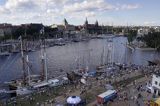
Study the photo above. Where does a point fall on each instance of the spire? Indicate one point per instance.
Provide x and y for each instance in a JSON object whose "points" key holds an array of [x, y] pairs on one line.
{"points": [[86, 22], [65, 22], [96, 23]]}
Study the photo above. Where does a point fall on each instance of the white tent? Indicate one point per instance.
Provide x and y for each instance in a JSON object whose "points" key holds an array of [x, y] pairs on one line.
{"points": [[73, 100]]}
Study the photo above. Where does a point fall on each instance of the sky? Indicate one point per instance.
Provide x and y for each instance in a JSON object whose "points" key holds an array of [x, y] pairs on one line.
{"points": [[107, 12]]}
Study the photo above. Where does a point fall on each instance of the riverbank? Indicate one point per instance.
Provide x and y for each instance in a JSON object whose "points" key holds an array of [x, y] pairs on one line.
{"points": [[12, 47], [145, 49], [134, 47]]}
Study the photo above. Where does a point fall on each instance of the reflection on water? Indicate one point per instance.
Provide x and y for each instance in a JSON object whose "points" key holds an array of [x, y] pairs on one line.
{"points": [[75, 55]]}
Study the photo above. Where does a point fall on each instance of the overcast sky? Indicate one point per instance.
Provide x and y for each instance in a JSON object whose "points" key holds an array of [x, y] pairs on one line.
{"points": [[117, 12]]}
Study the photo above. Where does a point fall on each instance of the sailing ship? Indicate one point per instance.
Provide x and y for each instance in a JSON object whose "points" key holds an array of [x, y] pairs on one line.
{"points": [[20, 86], [24, 85], [107, 57], [59, 42], [29, 82], [102, 64], [81, 71]]}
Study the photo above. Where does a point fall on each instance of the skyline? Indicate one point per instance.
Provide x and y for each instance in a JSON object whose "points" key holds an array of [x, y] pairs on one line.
{"points": [[107, 12]]}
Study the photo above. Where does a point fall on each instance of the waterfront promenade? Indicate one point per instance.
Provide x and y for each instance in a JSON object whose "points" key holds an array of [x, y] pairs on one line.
{"points": [[54, 96]]}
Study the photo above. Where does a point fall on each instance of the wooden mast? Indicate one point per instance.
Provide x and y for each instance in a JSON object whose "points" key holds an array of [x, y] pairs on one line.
{"points": [[23, 60], [44, 61]]}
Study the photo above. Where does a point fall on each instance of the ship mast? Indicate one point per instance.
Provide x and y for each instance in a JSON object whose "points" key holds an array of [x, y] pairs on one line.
{"points": [[42, 61], [28, 69], [27, 60], [44, 58], [103, 55], [45, 63], [23, 60]]}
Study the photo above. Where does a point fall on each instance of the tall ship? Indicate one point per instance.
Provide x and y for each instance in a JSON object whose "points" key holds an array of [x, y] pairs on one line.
{"points": [[30, 82]]}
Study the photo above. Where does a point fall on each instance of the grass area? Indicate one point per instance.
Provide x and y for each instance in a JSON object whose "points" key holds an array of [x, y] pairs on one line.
{"points": [[90, 95], [40, 98], [127, 81]]}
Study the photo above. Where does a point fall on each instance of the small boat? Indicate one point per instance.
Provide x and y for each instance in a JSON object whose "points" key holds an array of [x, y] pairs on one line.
{"points": [[17, 88], [76, 40], [110, 40], [152, 63], [40, 84], [23, 91], [100, 67], [54, 82], [59, 44], [15, 51], [5, 54], [100, 37], [85, 39]]}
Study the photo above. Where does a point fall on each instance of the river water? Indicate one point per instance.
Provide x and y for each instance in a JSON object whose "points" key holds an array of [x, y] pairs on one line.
{"points": [[71, 55]]}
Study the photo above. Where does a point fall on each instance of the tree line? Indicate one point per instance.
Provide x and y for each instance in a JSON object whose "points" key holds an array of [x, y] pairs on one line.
{"points": [[30, 32], [152, 39]]}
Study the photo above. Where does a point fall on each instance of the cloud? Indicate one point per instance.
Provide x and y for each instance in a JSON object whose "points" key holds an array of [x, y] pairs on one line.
{"points": [[53, 11], [4, 10], [92, 7], [129, 6], [150, 23], [88, 5], [90, 14], [19, 5], [80, 15], [31, 10]]}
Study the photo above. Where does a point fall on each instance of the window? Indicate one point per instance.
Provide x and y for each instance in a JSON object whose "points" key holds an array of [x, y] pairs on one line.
{"points": [[156, 82]]}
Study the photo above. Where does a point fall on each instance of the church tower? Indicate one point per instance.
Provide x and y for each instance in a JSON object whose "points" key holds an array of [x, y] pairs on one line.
{"points": [[96, 23], [65, 22], [86, 22]]}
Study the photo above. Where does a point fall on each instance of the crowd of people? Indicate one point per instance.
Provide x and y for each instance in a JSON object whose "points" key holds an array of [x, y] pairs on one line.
{"points": [[110, 75]]}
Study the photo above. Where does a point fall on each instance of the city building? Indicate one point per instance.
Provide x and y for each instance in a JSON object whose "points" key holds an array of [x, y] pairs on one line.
{"points": [[157, 28], [69, 29], [5, 29], [59, 27], [156, 84], [142, 32], [33, 26], [92, 28], [65, 27]]}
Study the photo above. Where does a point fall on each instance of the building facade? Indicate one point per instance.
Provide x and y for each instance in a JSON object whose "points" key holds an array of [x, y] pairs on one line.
{"points": [[92, 28], [5, 29], [156, 84], [143, 31]]}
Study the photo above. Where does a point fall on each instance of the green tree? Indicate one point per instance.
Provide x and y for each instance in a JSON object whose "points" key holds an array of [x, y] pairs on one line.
{"points": [[152, 39], [131, 35]]}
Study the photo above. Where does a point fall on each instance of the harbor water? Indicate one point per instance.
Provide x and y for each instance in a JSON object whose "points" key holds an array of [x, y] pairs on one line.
{"points": [[61, 59]]}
